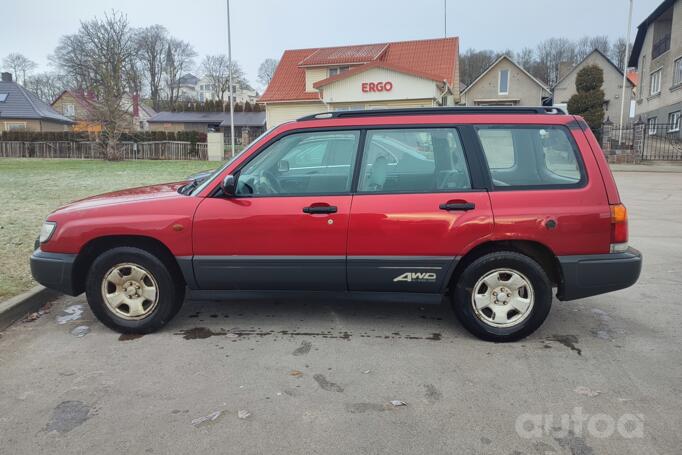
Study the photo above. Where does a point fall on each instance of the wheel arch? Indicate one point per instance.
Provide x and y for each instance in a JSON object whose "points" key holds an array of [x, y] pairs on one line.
{"points": [[537, 251], [93, 248]]}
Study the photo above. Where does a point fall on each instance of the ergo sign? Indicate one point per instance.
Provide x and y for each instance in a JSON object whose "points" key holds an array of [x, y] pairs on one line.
{"points": [[377, 86]]}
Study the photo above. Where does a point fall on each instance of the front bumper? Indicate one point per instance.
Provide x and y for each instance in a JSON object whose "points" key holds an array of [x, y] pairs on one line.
{"points": [[593, 274], [53, 270]]}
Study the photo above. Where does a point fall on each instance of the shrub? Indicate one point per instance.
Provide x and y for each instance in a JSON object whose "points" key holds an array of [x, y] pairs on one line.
{"points": [[588, 102]]}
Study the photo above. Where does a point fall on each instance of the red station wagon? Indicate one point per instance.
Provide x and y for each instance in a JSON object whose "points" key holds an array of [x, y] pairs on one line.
{"points": [[493, 207]]}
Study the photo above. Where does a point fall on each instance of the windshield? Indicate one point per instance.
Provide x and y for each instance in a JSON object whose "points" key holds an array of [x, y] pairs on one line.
{"points": [[218, 171]]}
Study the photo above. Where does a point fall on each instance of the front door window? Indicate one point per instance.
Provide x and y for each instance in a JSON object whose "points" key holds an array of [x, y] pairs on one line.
{"points": [[302, 164]]}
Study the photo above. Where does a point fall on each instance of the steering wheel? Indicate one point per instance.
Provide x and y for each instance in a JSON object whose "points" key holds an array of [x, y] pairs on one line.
{"points": [[268, 183]]}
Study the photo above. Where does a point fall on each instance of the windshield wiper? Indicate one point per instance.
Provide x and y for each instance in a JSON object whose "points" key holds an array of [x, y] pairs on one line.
{"points": [[187, 189]]}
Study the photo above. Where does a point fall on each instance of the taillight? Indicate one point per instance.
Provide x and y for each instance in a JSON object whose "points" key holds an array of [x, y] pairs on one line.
{"points": [[619, 228]]}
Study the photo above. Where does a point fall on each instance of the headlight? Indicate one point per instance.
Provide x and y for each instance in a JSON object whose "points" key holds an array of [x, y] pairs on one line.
{"points": [[46, 231]]}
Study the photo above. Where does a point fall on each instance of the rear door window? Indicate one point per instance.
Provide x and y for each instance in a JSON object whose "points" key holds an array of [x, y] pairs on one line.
{"points": [[419, 160], [531, 156]]}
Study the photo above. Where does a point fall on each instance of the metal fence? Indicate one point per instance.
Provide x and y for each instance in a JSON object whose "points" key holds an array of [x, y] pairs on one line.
{"points": [[161, 150], [662, 141]]}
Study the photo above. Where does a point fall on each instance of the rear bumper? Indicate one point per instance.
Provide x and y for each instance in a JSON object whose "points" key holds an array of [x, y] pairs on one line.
{"points": [[588, 275], [53, 270]]}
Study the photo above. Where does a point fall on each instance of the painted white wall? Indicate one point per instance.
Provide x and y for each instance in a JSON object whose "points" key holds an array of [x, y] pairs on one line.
{"points": [[313, 75], [215, 146], [276, 114], [405, 87]]}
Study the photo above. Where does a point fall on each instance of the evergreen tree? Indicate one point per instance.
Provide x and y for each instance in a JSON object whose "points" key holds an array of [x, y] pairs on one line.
{"points": [[589, 101]]}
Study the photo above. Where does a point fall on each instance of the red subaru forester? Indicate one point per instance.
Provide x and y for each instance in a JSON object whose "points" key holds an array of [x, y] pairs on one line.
{"points": [[493, 206]]}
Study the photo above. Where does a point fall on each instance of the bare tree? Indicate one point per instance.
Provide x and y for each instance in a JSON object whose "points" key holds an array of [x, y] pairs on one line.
{"points": [[585, 45], [216, 69], [472, 63], [19, 65], [100, 56], [179, 58], [47, 86], [526, 58], [72, 59], [550, 54], [617, 54], [266, 70], [151, 43]]}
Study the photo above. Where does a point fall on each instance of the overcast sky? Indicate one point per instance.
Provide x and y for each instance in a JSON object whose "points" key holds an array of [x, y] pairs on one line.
{"points": [[265, 28]]}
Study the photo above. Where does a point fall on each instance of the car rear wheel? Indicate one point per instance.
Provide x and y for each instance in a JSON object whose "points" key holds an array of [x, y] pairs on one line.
{"points": [[132, 291], [502, 296]]}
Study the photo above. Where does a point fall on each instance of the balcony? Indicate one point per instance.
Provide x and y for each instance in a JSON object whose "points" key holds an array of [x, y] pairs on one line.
{"points": [[661, 46]]}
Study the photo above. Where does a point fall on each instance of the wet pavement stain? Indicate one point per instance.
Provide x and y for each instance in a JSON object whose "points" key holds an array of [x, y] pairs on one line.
{"points": [[303, 349], [129, 336], [569, 341], [67, 416], [204, 332], [432, 394], [198, 333], [327, 385]]}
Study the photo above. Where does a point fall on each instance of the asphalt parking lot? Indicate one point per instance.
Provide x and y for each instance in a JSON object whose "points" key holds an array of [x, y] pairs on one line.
{"points": [[602, 375]]}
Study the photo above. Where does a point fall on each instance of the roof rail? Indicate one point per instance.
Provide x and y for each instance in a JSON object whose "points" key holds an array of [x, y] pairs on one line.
{"points": [[437, 110]]}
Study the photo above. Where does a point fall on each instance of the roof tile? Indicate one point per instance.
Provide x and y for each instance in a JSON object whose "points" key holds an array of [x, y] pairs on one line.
{"points": [[431, 58]]}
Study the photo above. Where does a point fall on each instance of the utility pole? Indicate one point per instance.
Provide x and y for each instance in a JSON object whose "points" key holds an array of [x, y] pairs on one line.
{"points": [[625, 74], [229, 58], [445, 18]]}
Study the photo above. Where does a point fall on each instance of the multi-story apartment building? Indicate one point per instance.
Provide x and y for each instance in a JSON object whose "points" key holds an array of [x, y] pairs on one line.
{"points": [[657, 53]]}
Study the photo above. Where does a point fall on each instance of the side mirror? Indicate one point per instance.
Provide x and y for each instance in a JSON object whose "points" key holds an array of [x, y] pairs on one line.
{"points": [[283, 166], [229, 185]]}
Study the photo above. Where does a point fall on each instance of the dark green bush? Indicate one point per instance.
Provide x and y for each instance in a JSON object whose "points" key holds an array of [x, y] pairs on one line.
{"points": [[588, 102]]}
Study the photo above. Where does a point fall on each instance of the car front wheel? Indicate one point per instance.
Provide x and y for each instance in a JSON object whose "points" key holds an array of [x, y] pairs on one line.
{"points": [[132, 291], [502, 296]]}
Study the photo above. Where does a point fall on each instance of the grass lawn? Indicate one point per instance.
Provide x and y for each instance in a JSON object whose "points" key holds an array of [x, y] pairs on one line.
{"points": [[32, 188]]}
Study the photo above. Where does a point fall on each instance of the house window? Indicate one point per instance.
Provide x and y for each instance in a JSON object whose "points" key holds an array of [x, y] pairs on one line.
{"points": [[15, 126], [655, 83], [337, 70], [651, 123], [3, 97], [674, 121], [69, 110], [503, 86], [677, 72]]}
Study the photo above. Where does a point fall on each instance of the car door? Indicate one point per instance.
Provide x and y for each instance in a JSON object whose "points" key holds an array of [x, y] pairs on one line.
{"points": [[286, 227], [412, 219]]}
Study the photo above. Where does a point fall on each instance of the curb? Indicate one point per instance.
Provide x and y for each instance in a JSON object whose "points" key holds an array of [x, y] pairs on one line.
{"points": [[663, 169], [19, 306]]}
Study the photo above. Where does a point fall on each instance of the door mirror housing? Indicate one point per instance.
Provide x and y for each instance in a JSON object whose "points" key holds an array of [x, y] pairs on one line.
{"points": [[229, 185]]}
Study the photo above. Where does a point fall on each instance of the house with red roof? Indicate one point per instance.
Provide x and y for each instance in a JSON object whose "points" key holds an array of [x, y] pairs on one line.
{"points": [[420, 73]]}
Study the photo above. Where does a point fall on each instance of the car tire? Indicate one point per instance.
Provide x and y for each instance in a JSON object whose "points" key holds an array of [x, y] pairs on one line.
{"points": [[502, 296], [131, 290]]}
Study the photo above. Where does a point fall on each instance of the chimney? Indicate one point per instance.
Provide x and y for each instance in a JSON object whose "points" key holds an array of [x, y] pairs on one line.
{"points": [[564, 69], [136, 105], [6, 77]]}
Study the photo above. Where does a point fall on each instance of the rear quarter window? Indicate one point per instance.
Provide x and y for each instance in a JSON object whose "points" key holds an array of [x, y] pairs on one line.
{"points": [[524, 156]]}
